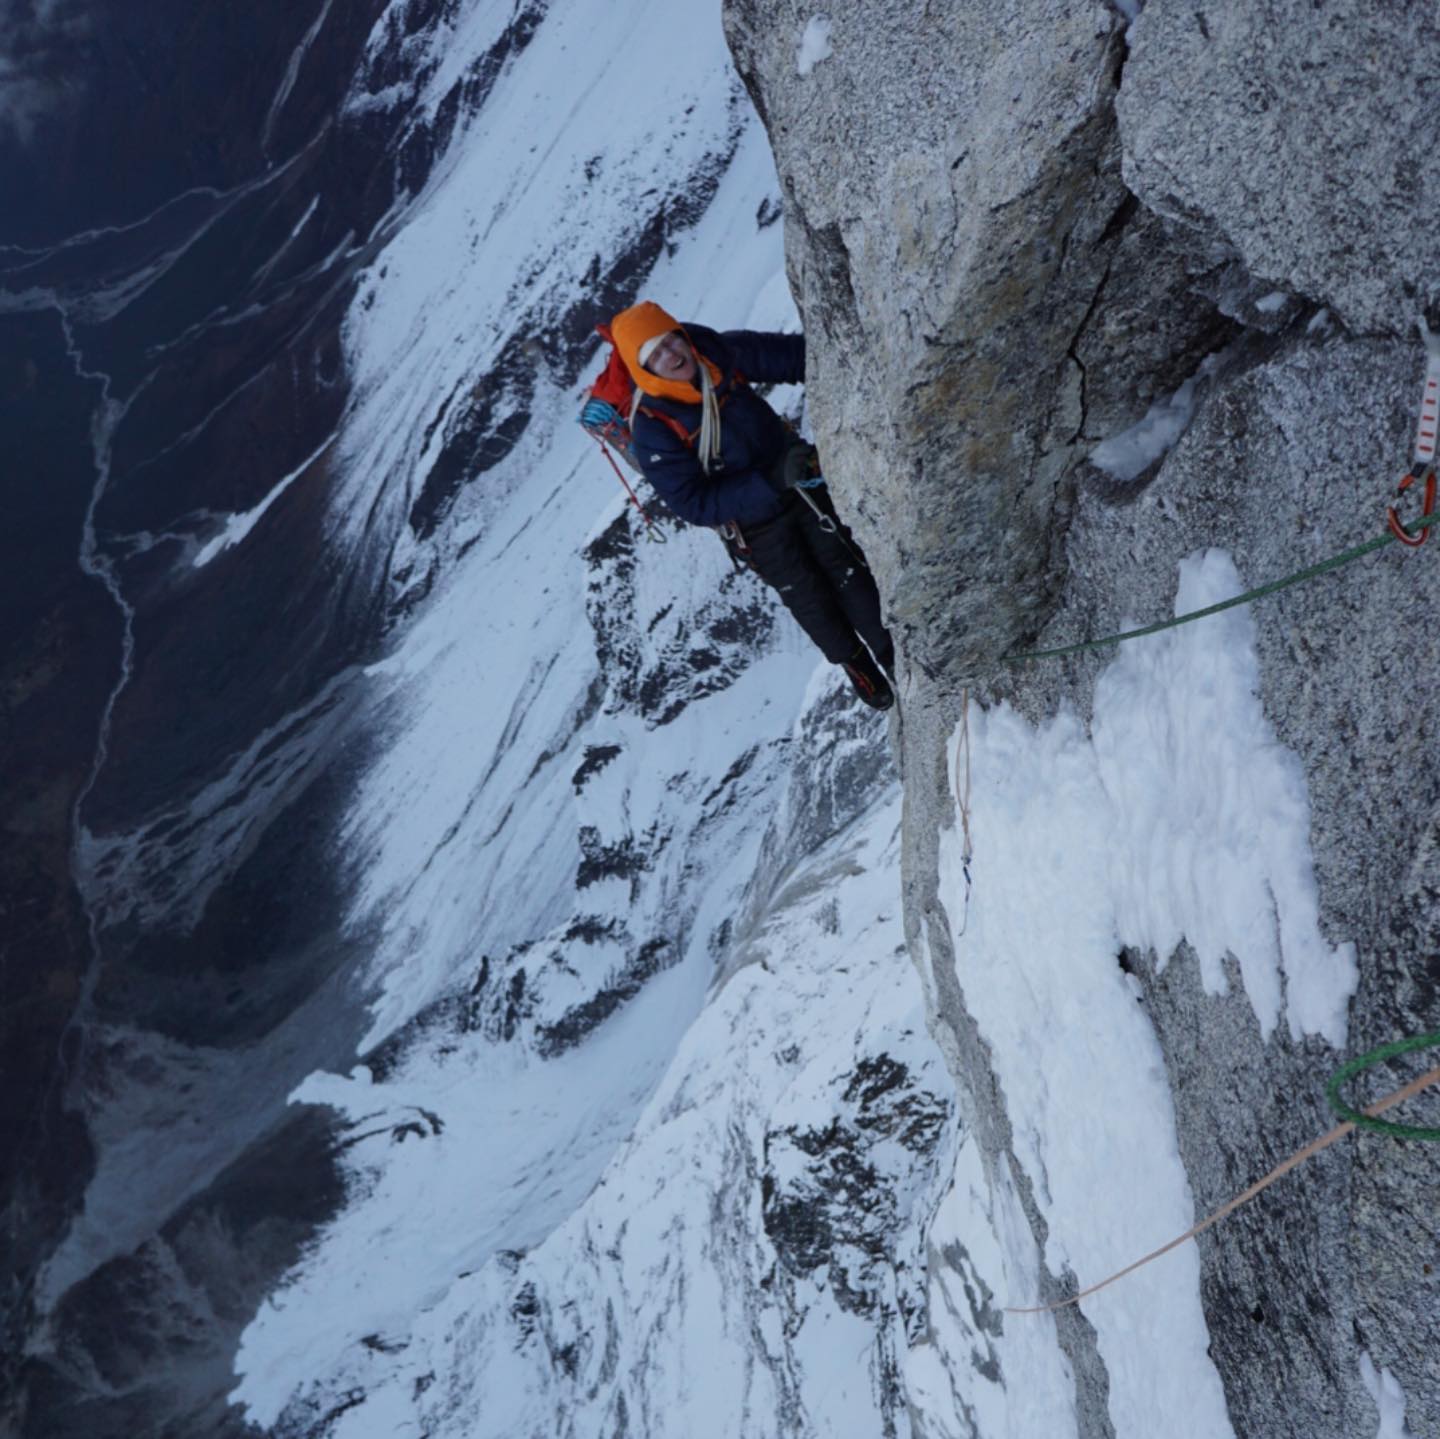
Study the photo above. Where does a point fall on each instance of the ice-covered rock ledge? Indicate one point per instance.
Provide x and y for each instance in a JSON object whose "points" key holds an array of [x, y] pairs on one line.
{"points": [[1200, 863]]}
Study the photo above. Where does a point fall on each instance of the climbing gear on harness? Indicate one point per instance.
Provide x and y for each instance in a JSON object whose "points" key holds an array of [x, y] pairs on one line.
{"points": [[1422, 469], [1366, 1120], [736, 545], [734, 536], [653, 532]]}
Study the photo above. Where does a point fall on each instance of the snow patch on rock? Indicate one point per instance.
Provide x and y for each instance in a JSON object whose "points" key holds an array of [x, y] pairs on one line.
{"points": [[1177, 817], [814, 45], [1129, 454], [1389, 1397]]}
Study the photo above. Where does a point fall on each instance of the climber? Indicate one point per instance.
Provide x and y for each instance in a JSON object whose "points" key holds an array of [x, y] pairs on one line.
{"points": [[738, 467]]}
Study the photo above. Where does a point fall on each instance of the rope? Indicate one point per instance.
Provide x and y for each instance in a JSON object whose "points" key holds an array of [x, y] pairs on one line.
{"points": [[826, 522], [1364, 1120], [1308, 573], [962, 801], [652, 530]]}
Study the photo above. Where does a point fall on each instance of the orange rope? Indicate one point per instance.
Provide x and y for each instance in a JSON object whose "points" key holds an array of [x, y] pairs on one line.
{"points": [[1295, 1160]]}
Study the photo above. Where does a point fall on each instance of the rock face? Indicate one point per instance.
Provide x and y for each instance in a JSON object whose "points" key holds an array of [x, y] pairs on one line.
{"points": [[964, 285], [1353, 1241], [1294, 135], [1009, 233]]}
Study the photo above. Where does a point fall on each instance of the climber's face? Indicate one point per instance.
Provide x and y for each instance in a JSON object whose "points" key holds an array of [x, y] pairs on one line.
{"points": [[672, 358]]}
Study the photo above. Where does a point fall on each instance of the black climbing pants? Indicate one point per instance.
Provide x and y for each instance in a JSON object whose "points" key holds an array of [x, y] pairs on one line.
{"points": [[822, 577]]}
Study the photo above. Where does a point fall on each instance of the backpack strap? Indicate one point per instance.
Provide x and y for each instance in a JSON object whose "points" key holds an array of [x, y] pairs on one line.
{"points": [[686, 437]]}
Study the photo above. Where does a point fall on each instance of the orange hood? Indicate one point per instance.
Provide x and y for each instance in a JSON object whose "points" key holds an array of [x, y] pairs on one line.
{"points": [[646, 321]]}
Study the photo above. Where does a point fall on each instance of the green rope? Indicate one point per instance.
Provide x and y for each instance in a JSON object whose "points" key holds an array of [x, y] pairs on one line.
{"points": [[1309, 573], [1379, 1056]]}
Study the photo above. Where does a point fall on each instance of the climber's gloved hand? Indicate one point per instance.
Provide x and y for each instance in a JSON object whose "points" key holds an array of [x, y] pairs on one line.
{"points": [[798, 464]]}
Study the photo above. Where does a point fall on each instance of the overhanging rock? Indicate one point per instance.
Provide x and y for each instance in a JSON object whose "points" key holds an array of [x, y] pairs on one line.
{"points": [[1302, 136], [947, 203]]}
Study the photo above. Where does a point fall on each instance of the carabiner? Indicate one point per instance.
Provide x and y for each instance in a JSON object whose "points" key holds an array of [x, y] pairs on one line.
{"points": [[825, 522], [1397, 527]]}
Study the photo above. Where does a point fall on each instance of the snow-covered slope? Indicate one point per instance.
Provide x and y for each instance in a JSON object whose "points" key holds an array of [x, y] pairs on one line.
{"points": [[585, 1084], [588, 739]]}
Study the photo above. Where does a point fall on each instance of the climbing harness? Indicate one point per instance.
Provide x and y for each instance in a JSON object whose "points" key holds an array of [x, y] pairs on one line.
{"points": [[1422, 469], [1366, 1120]]}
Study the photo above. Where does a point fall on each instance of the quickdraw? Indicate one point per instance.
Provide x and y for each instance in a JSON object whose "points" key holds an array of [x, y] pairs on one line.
{"points": [[734, 538], [825, 522], [1422, 471]]}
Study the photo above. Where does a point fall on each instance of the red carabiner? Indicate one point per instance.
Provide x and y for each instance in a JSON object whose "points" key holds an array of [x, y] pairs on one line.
{"points": [[1397, 528]]}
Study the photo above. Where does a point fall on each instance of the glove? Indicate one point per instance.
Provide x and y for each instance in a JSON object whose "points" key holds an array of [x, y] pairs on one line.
{"points": [[796, 466]]}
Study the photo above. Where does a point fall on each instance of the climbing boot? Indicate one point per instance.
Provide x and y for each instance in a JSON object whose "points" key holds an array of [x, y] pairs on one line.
{"points": [[867, 680]]}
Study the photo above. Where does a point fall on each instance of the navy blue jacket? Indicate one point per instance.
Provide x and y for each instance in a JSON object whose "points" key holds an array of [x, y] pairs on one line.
{"points": [[752, 436]]}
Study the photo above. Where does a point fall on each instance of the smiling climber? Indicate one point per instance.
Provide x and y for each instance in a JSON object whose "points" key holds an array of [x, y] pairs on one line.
{"points": [[718, 455]]}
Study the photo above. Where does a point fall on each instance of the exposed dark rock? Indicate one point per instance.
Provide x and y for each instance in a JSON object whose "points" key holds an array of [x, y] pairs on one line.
{"points": [[623, 859], [830, 1202], [597, 756], [625, 984], [657, 664]]}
